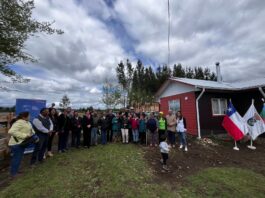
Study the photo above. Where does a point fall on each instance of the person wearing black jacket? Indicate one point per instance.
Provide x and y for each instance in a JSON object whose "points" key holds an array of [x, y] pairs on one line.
{"points": [[64, 127], [87, 122], [109, 118], [103, 124], [54, 118], [76, 130]]}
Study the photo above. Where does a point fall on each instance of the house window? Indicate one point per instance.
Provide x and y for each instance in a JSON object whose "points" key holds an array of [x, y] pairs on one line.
{"points": [[219, 106], [174, 105]]}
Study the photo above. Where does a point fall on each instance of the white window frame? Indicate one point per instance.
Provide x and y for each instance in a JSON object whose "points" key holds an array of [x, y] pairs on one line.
{"points": [[178, 100], [221, 113]]}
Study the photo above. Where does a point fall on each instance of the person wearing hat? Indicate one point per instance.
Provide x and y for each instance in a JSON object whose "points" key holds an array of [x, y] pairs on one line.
{"points": [[162, 125]]}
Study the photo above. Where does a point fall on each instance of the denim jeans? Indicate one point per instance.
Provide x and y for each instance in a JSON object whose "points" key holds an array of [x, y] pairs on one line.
{"points": [[94, 136], [17, 155], [171, 137], [103, 137], [135, 134], [40, 148], [182, 138]]}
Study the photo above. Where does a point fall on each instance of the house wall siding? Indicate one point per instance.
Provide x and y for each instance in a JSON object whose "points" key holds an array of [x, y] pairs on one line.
{"points": [[187, 106], [175, 88], [241, 101]]}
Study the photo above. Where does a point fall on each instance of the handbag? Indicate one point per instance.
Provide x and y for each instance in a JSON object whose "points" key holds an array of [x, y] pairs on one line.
{"points": [[30, 140]]}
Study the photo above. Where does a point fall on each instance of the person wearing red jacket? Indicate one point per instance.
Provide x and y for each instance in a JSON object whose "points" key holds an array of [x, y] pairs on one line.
{"points": [[135, 126]]}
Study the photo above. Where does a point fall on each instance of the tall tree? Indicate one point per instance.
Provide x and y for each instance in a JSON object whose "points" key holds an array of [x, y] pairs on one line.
{"points": [[189, 72], [65, 102], [125, 76], [17, 25], [111, 94], [198, 73], [178, 71]]}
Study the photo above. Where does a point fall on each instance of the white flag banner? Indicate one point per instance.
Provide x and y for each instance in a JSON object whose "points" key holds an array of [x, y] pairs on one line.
{"points": [[254, 121]]}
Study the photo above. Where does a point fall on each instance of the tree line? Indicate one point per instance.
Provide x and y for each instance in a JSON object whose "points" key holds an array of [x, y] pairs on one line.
{"points": [[138, 84]]}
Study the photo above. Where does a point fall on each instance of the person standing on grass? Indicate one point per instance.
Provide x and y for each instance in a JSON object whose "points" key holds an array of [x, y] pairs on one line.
{"points": [[87, 126], [162, 125], [68, 126], [171, 128], [109, 118], [130, 135], [62, 120], [164, 150], [76, 130], [94, 130], [103, 126], [125, 129], [54, 118], [20, 130], [64, 128], [43, 127], [142, 128], [116, 127], [181, 130], [135, 124], [152, 127]]}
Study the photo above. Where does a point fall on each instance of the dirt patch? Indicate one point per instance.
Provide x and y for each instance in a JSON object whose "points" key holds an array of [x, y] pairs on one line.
{"points": [[202, 155]]}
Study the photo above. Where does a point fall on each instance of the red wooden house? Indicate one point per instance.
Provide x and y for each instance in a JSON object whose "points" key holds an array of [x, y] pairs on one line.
{"points": [[203, 103]]}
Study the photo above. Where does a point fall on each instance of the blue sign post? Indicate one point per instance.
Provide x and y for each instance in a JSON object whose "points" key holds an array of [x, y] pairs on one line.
{"points": [[33, 107], [30, 105]]}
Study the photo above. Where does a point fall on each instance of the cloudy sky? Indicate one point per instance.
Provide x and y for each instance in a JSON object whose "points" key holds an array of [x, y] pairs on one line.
{"points": [[101, 33]]}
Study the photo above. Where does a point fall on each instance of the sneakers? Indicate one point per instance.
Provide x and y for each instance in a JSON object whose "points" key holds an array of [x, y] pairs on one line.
{"points": [[181, 146], [186, 149], [165, 167], [49, 154]]}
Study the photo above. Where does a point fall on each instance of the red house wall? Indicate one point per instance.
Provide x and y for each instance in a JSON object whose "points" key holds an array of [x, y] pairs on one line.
{"points": [[187, 107]]}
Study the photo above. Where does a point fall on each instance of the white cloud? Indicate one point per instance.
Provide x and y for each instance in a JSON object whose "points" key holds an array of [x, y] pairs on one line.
{"points": [[79, 61], [202, 32]]}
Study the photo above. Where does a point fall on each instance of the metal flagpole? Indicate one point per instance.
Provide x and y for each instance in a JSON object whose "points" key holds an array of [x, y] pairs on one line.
{"points": [[168, 36], [235, 147]]}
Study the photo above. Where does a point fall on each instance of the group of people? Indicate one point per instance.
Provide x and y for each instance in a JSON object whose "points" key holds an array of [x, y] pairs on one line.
{"points": [[95, 128]]}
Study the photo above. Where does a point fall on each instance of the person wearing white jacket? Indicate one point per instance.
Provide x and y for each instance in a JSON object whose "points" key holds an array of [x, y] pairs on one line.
{"points": [[164, 150], [181, 130]]}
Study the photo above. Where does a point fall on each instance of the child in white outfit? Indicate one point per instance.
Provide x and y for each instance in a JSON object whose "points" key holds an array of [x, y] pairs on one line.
{"points": [[164, 149]]}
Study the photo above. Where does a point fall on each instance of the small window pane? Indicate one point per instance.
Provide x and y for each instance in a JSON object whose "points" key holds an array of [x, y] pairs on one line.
{"points": [[215, 106], [223, 106], [174, 105]]}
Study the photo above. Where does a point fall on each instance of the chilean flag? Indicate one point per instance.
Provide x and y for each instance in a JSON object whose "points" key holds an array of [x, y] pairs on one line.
{"points": [[234, 124]]}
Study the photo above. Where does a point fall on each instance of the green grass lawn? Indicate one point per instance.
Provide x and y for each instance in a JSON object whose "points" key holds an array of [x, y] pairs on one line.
{"points": [[225, 182], [120, 171]]}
